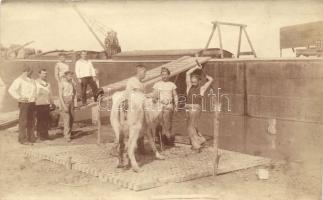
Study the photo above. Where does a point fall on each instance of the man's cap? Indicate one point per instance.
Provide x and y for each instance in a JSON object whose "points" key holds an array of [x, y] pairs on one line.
{"points": [[165, 69]]}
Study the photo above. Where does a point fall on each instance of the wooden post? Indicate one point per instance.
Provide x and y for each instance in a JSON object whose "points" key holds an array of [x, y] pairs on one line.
{"points": [[239, 42], [216, 131], [220, 40], [69, 162], [99, 120], [245, 107], [210, 38], [249, 41]]}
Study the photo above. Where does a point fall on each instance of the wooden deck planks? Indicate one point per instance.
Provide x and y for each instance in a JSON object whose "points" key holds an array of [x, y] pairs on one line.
{"points": [[181, 164]]}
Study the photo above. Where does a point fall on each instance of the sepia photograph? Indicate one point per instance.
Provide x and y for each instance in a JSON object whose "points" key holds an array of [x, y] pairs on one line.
{"points": [[161, 99]]}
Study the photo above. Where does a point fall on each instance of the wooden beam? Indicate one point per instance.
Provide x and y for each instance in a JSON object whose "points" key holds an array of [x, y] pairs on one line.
{"points": [[220, 40], [239, 42], [99, 119], [210, 38], [249, 41], [247, 53], [229, 24]]}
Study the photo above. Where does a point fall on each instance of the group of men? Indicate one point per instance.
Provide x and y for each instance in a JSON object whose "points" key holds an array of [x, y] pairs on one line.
{"points": [[165, 93], [35, 99]]}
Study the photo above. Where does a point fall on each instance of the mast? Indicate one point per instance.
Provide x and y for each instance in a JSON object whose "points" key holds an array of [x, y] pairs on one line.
{"points": [[90, 28]]}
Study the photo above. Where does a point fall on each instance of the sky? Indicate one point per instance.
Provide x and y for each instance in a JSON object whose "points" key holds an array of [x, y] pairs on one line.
{"points": [[144, 25]]}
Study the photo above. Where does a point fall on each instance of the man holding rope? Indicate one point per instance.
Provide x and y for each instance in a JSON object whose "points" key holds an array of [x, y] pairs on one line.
{"points": [[195, 94]]}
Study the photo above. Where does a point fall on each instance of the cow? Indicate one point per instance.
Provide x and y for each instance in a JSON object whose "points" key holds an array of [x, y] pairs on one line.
{"points": [[139, 118]]}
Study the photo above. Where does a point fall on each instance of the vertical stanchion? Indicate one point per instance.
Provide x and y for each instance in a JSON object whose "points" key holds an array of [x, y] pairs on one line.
{"points": [[216, 131], [220, 40], [99, 119], [239, 42], [249, 41]]}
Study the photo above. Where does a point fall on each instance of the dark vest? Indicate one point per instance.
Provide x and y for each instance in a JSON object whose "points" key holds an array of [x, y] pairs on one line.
{"points": [[194, 95]]}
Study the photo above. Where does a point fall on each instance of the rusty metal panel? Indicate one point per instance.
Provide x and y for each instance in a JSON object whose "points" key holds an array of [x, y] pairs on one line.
{"points": [[301, 35]]}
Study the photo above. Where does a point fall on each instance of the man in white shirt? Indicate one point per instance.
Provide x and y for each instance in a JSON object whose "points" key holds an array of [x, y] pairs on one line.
{"points": [[61, 67], [165, 92], [23, 89], [85, 74], [43, 101]]}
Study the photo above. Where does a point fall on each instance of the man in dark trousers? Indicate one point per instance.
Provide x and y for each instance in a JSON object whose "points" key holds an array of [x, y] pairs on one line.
{"points": [[44, 100], [86, 75], [23, 89]]}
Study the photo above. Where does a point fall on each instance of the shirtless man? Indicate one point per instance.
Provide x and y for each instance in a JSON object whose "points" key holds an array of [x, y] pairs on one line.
{"points": [[135, 84]]}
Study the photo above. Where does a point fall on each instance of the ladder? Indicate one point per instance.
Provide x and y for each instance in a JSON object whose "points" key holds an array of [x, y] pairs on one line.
{"points": [[217, 26]]}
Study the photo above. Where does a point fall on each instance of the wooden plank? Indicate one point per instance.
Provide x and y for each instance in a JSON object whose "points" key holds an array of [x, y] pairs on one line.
{"points": [[249, 41], [229, 24], [8, 119], [94, 160], [180, 65], [210, 38], [247, 53], [220, 40]]}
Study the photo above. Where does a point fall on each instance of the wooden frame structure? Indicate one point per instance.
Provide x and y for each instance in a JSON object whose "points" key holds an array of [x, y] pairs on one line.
{"points": [[217, 26]]}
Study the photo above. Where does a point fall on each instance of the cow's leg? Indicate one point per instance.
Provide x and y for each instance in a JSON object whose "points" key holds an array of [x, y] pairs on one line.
{"points": [[126, 159], [121, 150], [132, 145], [151, 131], [116, 126]]}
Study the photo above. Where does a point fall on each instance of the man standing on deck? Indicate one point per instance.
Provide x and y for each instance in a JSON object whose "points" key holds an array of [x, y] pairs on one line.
{"points": [[165, 91], [23, 89], [195, 93], [86, 75], [66, 97], [44, 100]]}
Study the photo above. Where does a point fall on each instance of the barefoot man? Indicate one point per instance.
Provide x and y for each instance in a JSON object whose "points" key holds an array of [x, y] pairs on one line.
{"points": [[195, 93]]}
